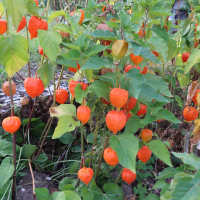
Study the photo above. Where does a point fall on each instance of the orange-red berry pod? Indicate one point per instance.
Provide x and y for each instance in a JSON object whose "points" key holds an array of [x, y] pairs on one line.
{"points": [[85, 174], [61, 96], [104, 101], [144, 154], [166, 28], [110, 156], [22, 24], [72, 85], [136, 59], [146, 135], [185, 57], [190, 113], [35, 24], [103, 9], [115, 120], [143, 110], [6, 89], [41, 52], [144, 71], [81, 18], [167, 18], [128, 176], [83, 114], [3, 26], [130, 104], [118, 97], [129, 67], [34, 86], [11, 124], [36, 1], [195, 96], [155, 53], [140, 33], [74, 70]]}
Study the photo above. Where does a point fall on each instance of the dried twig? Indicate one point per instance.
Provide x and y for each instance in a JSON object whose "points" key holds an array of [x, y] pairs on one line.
{"points": [[31, 170]]}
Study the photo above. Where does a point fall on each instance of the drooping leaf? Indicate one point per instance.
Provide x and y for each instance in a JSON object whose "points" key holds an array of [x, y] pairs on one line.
{"points": [[56, 14], [101, 89], [13, 53], [161, 32], [94, 50], [16, 9], [32, 8], [96, 63], [80, 93], [193, 59], [64, 28], [126, 146], [46, 72], [28, 150], [6, 148], [133, 124], [104, 34], [189, 159], [86, 193], [156, 146], [42, 193], [50, 41], [6, 171]]}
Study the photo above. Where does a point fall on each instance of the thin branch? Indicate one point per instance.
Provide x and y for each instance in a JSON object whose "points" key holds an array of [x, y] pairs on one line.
{"points": [[31, 170]]}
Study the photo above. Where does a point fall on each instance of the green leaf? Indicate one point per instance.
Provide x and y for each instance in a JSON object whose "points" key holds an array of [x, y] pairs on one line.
{"points": [[88, 73], [133, 124], [183, 79], [1, 8], [72, 54], [80, 93], [96, 63], [71, 195], [112, 24], [56, 14], [16, 9], [165, 114], [102, 34], [101, 89], [50, 41], [166, 196], [156, 146], [6, 171], [172, 47], [160, 184], [189, 159], [160, 45], [94, 50], [6, 148], [113, 191], [46, 72], [28, 150], [193, 59], [66, 62], [65, 181], [157, 11], [74, 168], [185, 26], [86, 193], [58, 196], [185, 190], [126, 146], [152, 197], [32, 8], [72, 46], [42, 193], [168, 172], [65, 124], [13, 53], [161, 32], [64, 28], [157, 83], [179, 101], [136, 80], [144, 52], [110, 78], [66, 138], [63, 110]]}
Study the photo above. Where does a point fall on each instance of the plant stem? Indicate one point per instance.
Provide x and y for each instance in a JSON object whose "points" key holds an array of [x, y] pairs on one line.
{"points": [[101, 159], [12, 114], [47, 8], [163, 70], [119, 175], [54, 85], [116, 78], [61, 73], [29, 121]]}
